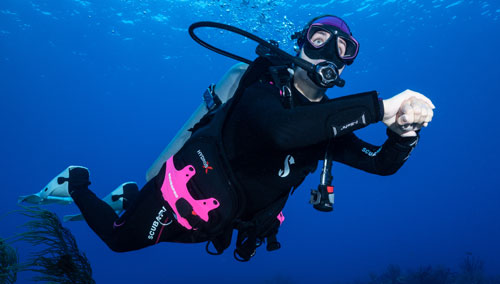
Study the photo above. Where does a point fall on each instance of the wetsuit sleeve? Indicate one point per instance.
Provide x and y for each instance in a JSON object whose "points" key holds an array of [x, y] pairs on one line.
{"points": [[381, 160], [306, 125]]}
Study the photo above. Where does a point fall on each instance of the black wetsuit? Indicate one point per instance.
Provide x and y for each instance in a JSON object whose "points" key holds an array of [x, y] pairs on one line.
{"points": [[262, 137], [271, 150]]}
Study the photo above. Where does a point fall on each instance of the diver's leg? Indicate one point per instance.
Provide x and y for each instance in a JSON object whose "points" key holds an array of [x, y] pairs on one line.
{"points": [[97, 213], [102, 219], [150, 220], [146, 222]]}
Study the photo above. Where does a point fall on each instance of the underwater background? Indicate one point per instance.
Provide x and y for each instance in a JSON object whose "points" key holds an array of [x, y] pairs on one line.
{"points": [[107, 84]]}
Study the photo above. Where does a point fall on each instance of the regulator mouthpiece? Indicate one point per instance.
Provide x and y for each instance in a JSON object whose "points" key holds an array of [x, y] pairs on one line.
{"points": [[326, 75]]}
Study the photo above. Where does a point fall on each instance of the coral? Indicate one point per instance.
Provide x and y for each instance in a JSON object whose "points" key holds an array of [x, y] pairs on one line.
{"points": [[59, 260], [9, 263], [430, 275], [471, 271]]}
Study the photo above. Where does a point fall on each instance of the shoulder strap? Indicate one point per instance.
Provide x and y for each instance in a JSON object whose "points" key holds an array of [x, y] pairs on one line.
{"points": [[254, 72]]}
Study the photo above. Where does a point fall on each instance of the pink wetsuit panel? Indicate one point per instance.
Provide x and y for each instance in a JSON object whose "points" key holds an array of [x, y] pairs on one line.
{"points": [[281, 217], [174, 187]]}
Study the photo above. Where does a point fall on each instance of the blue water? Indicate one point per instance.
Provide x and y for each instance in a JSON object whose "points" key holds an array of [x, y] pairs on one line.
{"points": [[106, 84]]}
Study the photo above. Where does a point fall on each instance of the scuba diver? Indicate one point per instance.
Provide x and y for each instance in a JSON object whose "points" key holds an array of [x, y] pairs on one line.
{"points": [[263, 129]]}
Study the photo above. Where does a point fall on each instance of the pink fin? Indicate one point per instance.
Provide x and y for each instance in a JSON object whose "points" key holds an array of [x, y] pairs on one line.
{"points": [[281, 217], [174, 187]]}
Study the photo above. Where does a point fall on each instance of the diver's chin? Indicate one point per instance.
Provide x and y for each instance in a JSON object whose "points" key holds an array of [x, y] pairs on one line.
{"points": [[311, 84]]}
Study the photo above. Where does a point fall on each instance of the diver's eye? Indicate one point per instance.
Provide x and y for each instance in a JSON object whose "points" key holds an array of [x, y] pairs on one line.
{"points": [[319, 38], [318, 41]]}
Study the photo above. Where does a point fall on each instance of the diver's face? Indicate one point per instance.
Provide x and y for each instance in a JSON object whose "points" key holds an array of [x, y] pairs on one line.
{"points": [[318, 39]]}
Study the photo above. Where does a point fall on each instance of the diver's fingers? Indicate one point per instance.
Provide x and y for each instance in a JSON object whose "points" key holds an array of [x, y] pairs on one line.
{"points": [[418, 95], [417, 110], [422, 111], [430, 116], [426, 99], [425, 112], [426, 115], [405, 113]]}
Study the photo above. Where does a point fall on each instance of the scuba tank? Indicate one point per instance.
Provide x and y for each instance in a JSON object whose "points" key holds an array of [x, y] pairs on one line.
{"points": [[214, 96]]}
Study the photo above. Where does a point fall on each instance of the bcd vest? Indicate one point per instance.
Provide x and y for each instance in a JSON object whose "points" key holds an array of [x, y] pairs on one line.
{"points": [[201, 188]]}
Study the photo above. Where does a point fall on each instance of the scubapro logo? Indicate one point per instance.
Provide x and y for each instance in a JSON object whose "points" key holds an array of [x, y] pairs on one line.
{"points": [[370, 153], [157, 222], [289, 160], [204, 161]]}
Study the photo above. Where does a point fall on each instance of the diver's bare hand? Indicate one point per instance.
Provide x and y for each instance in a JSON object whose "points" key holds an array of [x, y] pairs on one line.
{"points": [[407, 112]]}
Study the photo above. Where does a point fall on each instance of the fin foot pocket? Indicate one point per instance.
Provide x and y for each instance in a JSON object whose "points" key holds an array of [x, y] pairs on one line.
{"points": [[57, 190]]}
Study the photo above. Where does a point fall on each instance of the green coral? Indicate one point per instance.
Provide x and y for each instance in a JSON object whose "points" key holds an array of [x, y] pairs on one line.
{"points": [[59, 260], [9, 263]]}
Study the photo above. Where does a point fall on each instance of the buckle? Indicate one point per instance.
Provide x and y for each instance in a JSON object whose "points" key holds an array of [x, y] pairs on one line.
{"points": [[212, 101]]}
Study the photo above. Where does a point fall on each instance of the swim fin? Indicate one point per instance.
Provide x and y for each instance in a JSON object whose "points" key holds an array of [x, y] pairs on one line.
{"points": [[56, 191]]}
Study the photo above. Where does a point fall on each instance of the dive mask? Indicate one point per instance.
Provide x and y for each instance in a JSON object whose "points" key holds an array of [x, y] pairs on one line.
{"points": [[323, 37]]}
